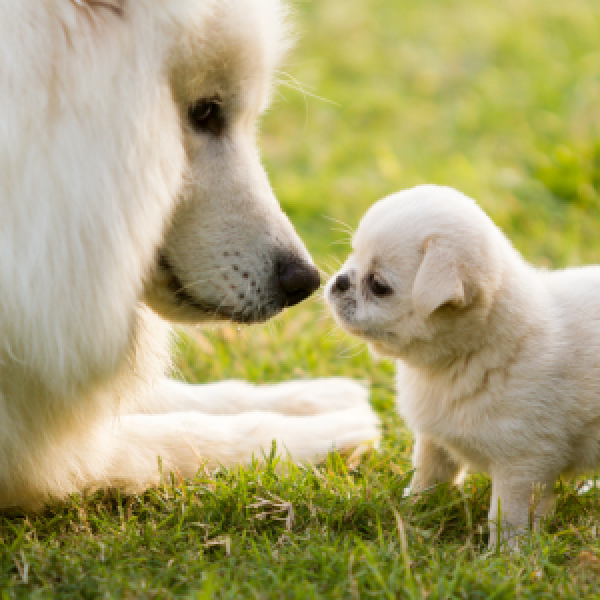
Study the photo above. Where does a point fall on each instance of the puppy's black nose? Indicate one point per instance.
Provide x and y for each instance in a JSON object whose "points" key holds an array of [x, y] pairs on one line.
{"points": [[341, 284], [297, 280]]}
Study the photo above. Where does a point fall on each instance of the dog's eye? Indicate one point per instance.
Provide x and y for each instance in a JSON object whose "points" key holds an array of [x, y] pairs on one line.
{"points": [[378, 287], [206, 116]]}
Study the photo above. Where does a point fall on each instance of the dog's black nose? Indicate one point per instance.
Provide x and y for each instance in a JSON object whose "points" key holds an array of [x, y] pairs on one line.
{"points": [[341, 284], [297, 280]]}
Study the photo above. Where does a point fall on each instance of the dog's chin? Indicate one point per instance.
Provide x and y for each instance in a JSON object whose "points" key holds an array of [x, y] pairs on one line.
{"points": [[185, 308], [170, 298]]}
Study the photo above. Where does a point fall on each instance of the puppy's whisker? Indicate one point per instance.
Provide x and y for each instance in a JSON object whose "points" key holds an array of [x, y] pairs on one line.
{"points": [[325, 274], [331, 270], [340, 230], [344, 353], [354, 355], [322, 310], [335, 329], [346, 227]]}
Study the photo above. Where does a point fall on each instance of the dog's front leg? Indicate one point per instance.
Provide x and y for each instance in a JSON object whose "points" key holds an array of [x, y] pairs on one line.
{"points": [[432, 464], [300, 397], [517, 504], [186, 441]]}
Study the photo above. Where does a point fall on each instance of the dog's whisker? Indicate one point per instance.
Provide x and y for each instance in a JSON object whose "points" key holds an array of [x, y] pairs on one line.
{"points": [[192, 284], [294, 84], [292, 78], [280, 95]]}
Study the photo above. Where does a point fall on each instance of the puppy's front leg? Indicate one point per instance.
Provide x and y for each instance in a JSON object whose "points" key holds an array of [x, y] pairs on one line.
{"points": [[432, 464], [515, 502]]}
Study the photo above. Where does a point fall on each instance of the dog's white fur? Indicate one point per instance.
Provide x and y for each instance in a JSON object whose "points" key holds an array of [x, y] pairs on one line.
{"points": [[116, 212], [499, 362]]}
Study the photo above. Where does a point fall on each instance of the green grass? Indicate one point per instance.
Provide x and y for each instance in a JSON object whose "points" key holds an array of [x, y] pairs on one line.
{"points": [[500, 100]]}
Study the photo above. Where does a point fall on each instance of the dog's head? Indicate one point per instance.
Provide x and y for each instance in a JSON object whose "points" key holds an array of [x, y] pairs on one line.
{"points": [[144, 183], [425, 267], [229, 251]]}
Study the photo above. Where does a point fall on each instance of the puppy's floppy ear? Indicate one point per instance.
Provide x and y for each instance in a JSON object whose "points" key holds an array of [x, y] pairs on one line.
{"points": [[438, 281]]}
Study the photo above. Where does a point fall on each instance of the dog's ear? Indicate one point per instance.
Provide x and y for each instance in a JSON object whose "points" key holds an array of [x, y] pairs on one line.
{"points": [[438, 281]]}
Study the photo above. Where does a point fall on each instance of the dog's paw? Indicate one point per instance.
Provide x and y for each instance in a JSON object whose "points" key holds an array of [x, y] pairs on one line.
{"points": [[359, 427], [319, 396], [349, 432]]}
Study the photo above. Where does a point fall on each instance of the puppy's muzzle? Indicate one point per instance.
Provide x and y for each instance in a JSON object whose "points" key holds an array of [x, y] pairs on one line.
{"points": [[297, 280]]}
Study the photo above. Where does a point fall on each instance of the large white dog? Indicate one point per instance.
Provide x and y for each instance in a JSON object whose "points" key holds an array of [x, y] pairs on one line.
{"points": [[131, 191]]}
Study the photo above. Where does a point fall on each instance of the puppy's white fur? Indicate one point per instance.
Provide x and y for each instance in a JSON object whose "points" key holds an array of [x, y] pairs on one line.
{"points": [[499, 366], [115, 212]]}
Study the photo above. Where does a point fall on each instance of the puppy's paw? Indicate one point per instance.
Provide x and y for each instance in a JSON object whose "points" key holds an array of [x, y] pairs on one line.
{"points": [[509, 536]]}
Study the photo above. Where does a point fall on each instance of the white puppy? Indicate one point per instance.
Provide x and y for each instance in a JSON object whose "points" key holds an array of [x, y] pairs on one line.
{"points": [[131, 191], [499, 362]]}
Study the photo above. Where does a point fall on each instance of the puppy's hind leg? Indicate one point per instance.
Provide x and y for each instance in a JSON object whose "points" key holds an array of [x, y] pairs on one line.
{"points": [[432, 465]]}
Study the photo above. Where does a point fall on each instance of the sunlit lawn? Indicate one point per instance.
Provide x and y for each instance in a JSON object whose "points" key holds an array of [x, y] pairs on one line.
{"points": [[500, 100]]}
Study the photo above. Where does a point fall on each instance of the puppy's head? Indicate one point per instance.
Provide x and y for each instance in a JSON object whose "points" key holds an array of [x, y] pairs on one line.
{"points": [[425, 266], [229, 251]]}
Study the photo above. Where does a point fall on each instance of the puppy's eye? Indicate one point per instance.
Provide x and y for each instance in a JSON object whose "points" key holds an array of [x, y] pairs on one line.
{"points": [[206, 116], [378, 287]]}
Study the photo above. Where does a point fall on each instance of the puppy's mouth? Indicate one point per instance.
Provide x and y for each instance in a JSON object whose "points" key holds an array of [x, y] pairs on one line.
{"points": [[358, 330], [348, 324], [186, 299], [342, 310], [343, 316]]}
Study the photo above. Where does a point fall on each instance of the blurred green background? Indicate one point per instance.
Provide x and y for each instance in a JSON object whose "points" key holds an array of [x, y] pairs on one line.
{"points": [[498, 99]]}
